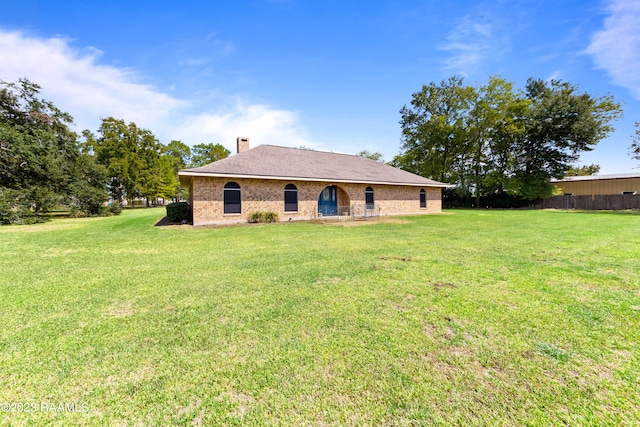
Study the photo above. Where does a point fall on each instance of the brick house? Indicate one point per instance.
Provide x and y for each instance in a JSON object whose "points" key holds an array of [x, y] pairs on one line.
{"points": [[301, 184]]}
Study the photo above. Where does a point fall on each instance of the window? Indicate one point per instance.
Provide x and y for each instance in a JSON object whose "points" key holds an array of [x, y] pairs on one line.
{"points": [[423, 198], [368, 197], [629, 192], [290, 198], [232, 198]]}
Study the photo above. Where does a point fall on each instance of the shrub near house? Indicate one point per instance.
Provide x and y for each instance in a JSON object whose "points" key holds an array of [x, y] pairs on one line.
{"points": [[178, 212]]}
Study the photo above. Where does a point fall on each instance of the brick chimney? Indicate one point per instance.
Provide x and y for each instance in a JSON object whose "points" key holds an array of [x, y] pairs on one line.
{"points": [[242, 144]]}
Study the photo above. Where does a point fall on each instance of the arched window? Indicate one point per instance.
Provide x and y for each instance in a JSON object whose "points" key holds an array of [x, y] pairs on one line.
{"points": [[290, 198], [232, 198], [423, 198], [368, 198]]}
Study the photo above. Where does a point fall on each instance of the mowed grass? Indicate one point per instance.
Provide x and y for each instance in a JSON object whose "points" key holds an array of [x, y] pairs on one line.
{"points": [[465, 318]]}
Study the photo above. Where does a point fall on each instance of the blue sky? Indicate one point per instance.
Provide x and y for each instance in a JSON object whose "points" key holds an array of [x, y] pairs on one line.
{"points": [[328, 75]]}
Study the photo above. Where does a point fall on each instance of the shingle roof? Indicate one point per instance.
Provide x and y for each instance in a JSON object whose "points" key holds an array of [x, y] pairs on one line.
{"points": [[598, 177], [274, 162]]}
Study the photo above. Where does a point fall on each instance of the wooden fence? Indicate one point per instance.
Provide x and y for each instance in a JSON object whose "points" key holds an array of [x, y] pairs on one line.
{"points": [[597, 202]]}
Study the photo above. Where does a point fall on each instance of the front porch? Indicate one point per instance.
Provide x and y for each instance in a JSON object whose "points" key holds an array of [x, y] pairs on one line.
{"points": [[355, 211]]}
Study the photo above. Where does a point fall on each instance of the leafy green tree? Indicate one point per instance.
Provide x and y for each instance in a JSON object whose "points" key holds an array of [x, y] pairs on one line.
{"points": [[131, 156], [496, 118], [88, 193], [170, 187], [435, 130], [115, 150], [377, 156], [584, 170], [634, 150], [41, 162], [35, 142], [180, 152], [203, 154], [176, 155], [492, 140], [150, 179], [561, 124], [508, 129]]}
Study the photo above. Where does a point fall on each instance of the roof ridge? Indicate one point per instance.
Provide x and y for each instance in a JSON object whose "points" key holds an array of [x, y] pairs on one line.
{"points": [[266, 160], [318, 151]]}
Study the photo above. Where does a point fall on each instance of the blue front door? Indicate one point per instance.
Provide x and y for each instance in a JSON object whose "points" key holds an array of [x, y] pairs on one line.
{"points": [[328, 201]]}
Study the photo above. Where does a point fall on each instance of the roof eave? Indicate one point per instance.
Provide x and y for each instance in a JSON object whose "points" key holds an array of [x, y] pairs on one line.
{"points": [[596, 178], [186, 173], [185, 180]]}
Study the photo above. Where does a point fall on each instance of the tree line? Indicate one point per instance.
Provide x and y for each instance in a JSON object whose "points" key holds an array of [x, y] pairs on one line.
{"points": [[498, 145], [44, 165]]}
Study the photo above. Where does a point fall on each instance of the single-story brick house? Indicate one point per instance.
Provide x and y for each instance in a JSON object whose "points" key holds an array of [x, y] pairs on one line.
{"points": [[301, 184]]}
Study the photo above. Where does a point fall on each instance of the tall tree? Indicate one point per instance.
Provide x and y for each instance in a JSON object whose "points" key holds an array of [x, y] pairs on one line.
{"points": [[435, 130], [88, 192], [634, 150], [377, 156], [41, 163], [496, 118], [492, 140], [561, 124], [203, 154], [169, 187], [176, 155], [179, 151], [508, 129], [150, 179], [131, 156], [584, 170]]}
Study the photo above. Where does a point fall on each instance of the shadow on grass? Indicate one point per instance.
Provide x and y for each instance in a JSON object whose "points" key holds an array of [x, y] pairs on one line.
{"points": [[165, 221]]}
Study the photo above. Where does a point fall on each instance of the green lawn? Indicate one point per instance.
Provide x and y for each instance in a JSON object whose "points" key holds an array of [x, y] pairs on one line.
{"points": [[465, 318]]}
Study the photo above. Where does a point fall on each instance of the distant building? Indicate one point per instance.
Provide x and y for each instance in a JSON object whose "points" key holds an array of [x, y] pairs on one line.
{"points": [[301, 184], [606, 192], [626, 183]]}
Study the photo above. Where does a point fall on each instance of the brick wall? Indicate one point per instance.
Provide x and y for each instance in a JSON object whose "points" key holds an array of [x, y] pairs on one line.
{"points": [[268, 195]]}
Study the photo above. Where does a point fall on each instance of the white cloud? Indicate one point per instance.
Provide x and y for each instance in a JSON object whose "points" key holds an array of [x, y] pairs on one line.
{"points": [[77, 83], [616, 47], [471, 41], [261, 123], [556, 75]]}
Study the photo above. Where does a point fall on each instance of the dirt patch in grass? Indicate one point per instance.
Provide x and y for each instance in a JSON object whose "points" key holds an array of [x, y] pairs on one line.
{"points": [[404, 305], [244, 401], [390, 258], [192, 409], [120, 309], [396, 258], [440, 285]]}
